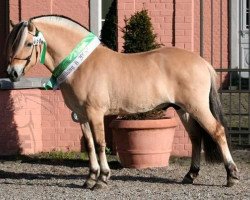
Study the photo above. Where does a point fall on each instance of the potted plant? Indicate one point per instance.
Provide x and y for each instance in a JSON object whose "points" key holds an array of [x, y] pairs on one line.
{"points": [[144, 139]]}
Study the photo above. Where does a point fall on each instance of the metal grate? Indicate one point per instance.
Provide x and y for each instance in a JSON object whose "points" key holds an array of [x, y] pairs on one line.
{"points": [[235, 98], [234, 81]]}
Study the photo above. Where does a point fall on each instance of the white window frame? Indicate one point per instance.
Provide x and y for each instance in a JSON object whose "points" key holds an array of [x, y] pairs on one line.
{"points": [[96, 16], [234, 34]]}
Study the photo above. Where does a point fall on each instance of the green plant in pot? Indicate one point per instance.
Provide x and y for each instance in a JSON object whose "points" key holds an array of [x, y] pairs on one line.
{"points": [[143, 139]]}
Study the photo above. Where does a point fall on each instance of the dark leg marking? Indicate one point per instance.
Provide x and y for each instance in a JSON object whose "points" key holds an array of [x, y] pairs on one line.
{"points": [[191, 175]]}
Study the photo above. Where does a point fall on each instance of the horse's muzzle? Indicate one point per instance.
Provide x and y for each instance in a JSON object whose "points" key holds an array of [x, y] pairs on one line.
{"points": [[13, 75]]}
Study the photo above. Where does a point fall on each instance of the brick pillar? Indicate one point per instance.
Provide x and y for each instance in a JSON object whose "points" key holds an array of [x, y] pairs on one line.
{"points": [[184, 24]]}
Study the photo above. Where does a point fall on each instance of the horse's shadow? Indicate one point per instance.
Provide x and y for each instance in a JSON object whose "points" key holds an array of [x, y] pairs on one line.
{"points": [[56, 162], [114, 165], [152, 179], [47, 176]]}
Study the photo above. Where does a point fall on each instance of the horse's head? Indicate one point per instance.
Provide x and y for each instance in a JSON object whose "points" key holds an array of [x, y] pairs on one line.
{"points": [[22, 49]]}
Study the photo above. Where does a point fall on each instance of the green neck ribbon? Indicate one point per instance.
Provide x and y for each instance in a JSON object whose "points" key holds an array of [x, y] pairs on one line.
{"points": [[73, 60]]}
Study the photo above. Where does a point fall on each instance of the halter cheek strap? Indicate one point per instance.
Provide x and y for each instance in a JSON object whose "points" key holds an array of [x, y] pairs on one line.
{"points": [[38, 40]]}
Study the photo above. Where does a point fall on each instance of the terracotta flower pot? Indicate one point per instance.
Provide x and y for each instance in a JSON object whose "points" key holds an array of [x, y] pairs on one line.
{"points": [[144, 143]]}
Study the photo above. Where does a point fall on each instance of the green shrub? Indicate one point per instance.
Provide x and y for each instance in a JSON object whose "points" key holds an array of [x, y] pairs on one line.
{"points": [[139, 34]]}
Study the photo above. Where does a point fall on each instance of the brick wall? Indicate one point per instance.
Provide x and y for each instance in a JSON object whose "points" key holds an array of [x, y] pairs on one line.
{"points": [[161, 13], [59, 132], [35, 120]]}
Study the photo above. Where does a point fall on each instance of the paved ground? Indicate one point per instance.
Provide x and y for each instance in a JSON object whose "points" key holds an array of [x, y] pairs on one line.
{"points": [[24, 179]]}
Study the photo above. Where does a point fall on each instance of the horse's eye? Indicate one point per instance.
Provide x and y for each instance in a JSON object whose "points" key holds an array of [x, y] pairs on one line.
{"points": [[29, 44]]}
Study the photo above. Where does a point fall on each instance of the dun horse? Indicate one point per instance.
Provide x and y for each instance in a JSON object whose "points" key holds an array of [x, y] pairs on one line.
{"points": [[96, 81]]}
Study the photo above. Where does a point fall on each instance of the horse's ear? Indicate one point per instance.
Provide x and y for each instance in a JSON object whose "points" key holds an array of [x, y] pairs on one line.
{"points": [[12, 24], [31, 27]]}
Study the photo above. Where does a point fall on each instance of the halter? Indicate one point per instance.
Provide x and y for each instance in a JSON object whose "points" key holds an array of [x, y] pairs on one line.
{"points": [[38, 39]]}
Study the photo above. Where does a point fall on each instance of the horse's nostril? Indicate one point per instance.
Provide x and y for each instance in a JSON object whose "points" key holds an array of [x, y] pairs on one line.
{"points": [[14, 74]]}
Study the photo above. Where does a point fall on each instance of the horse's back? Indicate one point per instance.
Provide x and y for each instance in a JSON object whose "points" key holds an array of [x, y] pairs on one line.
{"points": [[171, 64]]}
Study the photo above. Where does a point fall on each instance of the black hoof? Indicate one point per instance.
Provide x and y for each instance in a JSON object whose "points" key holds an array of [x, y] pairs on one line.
{"points": [[89, 184], [100, 185], [232, 175], [231, 181], [188, 179]]}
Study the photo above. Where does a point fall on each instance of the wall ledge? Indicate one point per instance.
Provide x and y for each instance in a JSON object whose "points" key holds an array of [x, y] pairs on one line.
{"points": [[24, 83]]}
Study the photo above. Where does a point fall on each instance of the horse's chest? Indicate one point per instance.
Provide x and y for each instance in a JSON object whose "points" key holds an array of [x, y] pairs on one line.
{"points": [[71, 101]]}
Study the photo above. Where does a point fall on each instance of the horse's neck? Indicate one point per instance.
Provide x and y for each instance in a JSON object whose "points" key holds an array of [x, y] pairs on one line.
{"points": [[60, 42]]}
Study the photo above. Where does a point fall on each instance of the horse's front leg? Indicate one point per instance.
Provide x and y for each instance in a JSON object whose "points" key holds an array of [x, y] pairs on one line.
{"points": [[94, 168], [97, 127]]}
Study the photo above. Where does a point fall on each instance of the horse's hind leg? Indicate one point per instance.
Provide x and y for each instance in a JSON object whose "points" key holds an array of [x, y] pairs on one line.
{"points": [[213, 127], [94, 168], [194, 131]]}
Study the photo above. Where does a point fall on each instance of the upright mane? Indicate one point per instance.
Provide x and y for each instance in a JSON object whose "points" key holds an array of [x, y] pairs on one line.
{"points": [[60, 19]]}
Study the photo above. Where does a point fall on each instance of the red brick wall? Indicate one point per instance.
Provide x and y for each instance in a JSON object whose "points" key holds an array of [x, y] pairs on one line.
{"points": [[35, 120], [161, 13], [59, 132]]}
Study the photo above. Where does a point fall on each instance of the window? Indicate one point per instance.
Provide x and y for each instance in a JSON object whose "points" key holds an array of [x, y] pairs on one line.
{"points": [[98, 11], [105, 8], [247, 14]]}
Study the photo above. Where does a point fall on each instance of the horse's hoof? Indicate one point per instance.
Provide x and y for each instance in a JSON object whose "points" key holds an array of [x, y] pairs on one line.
{"points": [[89, 184], [188, 179], [100, 185], [232, 181]]}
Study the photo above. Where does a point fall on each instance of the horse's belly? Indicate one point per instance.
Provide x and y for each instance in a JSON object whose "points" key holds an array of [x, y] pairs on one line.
{"points": [[137, 103]]}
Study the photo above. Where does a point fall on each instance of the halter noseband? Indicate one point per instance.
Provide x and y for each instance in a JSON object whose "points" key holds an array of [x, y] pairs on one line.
{"points": [[38, 39]]}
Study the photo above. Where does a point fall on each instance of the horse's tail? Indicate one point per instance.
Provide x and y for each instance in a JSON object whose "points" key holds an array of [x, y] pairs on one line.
{"points": [[211, 149]]}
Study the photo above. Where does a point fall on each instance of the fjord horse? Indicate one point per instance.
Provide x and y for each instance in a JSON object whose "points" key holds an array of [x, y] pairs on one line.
{"points": [[108, 82]]}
